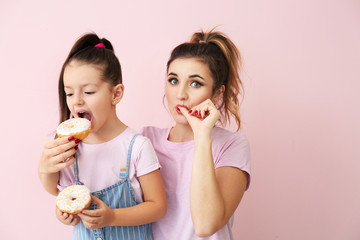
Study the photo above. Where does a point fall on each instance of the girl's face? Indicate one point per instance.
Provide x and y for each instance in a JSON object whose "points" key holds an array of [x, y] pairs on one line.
{"points": [[87, 95], [189, 83]]}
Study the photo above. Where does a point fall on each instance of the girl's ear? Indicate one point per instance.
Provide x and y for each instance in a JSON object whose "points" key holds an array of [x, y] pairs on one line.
{"points": [[118, 93], [218, 94]]}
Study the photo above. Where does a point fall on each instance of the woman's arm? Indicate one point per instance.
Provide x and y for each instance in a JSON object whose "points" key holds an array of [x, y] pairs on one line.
{"points": [[214, 194], [152, 209]]}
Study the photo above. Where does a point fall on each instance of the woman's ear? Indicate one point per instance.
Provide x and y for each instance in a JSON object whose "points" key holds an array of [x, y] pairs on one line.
{"points": [[218, 94], [118, 93]]}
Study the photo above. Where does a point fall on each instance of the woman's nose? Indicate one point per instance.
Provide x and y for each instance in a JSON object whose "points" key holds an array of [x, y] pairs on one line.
{"points": [[182, 93]]}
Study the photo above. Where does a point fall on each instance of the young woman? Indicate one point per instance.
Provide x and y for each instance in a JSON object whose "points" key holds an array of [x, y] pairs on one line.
{"points": [[205, 168]]}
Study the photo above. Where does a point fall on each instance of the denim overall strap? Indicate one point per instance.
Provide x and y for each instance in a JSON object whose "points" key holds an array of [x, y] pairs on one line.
{"points": [[76, 170], [128, 158], [119, 195]]}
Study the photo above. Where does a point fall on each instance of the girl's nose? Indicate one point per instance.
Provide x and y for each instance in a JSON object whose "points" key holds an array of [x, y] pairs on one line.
{"points": [[79, 99]]}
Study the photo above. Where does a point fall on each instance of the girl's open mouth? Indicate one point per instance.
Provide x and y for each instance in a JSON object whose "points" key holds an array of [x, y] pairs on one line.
{"points": [[85, 115]]}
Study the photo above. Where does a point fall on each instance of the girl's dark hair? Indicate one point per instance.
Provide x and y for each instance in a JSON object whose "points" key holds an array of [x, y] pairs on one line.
{"points": [[223, 58], [85, 52]]}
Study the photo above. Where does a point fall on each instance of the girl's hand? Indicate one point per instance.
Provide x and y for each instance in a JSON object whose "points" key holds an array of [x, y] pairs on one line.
{"points": [[98, 218], [58, 154], [202, 118], [66, 218]]}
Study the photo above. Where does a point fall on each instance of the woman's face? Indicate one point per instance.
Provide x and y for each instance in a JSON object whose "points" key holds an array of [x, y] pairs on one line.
{"points": [[189, 83]]}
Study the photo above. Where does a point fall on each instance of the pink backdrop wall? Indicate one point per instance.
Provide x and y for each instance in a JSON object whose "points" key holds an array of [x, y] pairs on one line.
{"points": [[301, 113]]}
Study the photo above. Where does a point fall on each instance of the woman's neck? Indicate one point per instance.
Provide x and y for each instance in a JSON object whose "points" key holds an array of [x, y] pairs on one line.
{"points": [[181, 133]]}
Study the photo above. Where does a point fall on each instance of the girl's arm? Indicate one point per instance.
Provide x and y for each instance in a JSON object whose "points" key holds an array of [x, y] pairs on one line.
{"points": [[152, 209], [214, 194], [52, 160]]}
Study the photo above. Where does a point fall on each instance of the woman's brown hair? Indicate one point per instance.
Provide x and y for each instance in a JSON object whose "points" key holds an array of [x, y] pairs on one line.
{"points": [[223, 59]]}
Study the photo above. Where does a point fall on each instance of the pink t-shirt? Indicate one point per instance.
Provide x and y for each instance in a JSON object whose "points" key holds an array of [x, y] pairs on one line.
{"points": [[102, 165], [229, 149]]}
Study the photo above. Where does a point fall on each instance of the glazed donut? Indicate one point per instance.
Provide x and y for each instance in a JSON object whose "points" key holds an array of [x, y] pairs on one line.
{"points": [[73, 199], [79, 128]]}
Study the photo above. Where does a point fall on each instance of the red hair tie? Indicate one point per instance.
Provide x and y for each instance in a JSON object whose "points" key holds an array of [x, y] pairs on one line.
{"points": [[100, 45]]}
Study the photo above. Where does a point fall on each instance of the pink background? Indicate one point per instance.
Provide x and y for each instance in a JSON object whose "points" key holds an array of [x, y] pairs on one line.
{"points": [[301, 112]]}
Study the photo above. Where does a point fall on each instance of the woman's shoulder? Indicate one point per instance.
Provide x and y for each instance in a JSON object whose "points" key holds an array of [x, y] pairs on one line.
{"points": [[222, 134], [231, 149], [223, 139], [153, 132]]}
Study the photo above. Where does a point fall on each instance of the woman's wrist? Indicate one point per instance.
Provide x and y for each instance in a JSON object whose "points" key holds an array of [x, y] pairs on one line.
{"points": [[202, 140]]}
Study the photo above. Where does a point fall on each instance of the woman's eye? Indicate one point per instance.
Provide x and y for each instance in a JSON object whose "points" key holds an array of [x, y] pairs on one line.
{"points": [[196, 84], [69, 94], [173, 81], [89, 93]]}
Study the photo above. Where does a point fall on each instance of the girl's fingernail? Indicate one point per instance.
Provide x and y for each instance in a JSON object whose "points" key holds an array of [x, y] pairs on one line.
{"points": [[76, 148], [178, 109], [71, 138], [190, 111], [77, 141], [196, 113]]}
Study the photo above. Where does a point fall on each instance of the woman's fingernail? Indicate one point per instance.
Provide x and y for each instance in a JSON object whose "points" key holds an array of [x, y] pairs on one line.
{"points": [[190, 111], [178, 109], [77, 141], [76, 148], [196, 113], [71, 138]]}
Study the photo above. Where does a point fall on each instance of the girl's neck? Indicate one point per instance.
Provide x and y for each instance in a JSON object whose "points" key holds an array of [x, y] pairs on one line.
{"points": [[181, 133], [114, 128]]}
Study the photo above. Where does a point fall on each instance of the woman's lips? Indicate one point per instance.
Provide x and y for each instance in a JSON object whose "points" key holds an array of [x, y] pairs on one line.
{"points": [[178, 109]]}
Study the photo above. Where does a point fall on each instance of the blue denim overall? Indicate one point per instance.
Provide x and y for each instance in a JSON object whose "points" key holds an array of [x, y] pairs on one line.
{"points": [[119, 195]]}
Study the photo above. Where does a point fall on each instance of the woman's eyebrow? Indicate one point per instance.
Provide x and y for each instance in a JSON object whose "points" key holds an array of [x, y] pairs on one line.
{"points": [[196, 76], [191, 76]]}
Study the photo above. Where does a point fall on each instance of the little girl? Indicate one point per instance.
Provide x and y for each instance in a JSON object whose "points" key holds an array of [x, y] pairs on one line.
{"points": [[205, 168], [119, 167]]}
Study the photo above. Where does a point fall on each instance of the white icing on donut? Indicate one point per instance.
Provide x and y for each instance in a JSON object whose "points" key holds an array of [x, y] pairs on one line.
{"points": [[73, 126], [73, 199]]}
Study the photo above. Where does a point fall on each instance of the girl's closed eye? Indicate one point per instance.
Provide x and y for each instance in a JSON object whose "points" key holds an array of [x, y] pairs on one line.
{"points": [[89, 92]]}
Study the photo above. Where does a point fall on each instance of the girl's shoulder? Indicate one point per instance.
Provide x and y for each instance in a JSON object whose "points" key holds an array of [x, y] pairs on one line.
{"points": [[141, 145], [140, 138]]}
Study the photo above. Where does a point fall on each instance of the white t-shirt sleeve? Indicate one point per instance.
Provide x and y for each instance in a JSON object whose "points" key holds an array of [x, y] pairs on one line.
{"points": [[146, 160]]}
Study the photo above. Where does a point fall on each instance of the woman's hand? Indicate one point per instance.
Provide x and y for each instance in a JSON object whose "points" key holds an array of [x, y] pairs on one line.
{"points": [[66, 218], [202, 118], [58, 154], [98, 218]]}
